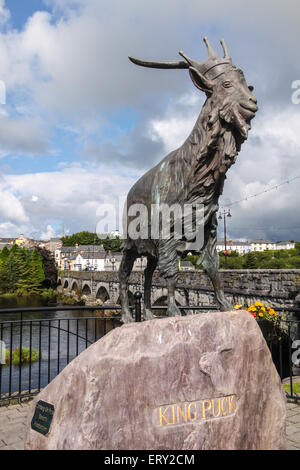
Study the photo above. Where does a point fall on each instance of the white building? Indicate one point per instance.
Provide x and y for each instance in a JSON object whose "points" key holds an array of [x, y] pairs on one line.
{"points": [[234, 245], [87, 262], [262, 245], [285, 246]]}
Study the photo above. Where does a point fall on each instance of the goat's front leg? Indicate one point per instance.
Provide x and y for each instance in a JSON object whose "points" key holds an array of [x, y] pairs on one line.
{"points": [[168, 265], [124, 273], [172, 310], [210, 263]]}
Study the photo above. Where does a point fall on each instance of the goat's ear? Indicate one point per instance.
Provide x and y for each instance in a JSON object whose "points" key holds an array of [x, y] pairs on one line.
{"points": [[200, 81]]}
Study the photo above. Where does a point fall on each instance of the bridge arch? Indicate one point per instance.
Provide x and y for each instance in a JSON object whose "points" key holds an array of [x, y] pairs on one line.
{"points": [[59, 281], [86, 290], [75, 287], [102, 294], [66, 284]]}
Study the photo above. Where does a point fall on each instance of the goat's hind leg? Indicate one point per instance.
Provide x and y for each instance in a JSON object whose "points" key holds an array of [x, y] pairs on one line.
{"points": [[169, 270], [210, 263], [151, 265], [126, 266]]}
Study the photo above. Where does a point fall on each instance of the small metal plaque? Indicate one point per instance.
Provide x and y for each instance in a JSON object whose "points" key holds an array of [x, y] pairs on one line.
{"points": [[42, 417]]}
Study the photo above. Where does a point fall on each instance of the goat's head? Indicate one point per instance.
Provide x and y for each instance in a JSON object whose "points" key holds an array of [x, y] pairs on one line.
{"points": [[231, 98]]}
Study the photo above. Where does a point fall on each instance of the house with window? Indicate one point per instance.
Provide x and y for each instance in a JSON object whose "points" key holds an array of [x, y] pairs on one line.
{"points": [[53, 244], [262, 245], [285, 245], [85, 262], [241, 247]]}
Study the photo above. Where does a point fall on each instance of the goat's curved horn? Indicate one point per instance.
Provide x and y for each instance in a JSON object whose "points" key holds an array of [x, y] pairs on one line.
{"points": [[172, 64], [225, 49], [211, 52]]}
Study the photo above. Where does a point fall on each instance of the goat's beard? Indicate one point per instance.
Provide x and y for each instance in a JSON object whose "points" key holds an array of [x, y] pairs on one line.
{"points": [[232, 115]]}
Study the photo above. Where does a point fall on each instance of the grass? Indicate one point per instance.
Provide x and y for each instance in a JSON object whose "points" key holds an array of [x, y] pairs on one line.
{"points": [[25, 356], [296, 388]]}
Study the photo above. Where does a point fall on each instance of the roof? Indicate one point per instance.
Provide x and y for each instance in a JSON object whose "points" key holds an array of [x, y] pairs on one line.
{"points": [[261, 240], [68, 249], [285, 243], [229, 243], [90, 248], [90, 256]]}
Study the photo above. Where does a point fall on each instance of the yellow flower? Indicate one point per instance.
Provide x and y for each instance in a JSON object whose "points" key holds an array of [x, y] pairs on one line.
{"points": [[263, 309], [260, 314], [258, 304]]}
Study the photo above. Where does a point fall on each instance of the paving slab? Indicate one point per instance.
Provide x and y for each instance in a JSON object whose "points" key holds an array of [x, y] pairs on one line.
{"points": [[13, 426]]}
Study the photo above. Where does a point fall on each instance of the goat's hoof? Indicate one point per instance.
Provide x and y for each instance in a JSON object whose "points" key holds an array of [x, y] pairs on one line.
{"points": [[148, 315], [226, 307], [127, 318], [173, 311]]}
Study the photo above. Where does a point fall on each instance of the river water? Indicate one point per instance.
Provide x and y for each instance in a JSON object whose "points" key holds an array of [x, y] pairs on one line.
{"points": [[58, 336]]}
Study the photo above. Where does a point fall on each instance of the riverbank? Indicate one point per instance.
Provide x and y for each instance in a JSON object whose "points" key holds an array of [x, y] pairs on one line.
{"points": [[46, 297], [44, 293]]}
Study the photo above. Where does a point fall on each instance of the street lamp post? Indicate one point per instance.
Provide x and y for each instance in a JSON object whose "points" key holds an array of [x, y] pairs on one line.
{"points": [[223, 215]]}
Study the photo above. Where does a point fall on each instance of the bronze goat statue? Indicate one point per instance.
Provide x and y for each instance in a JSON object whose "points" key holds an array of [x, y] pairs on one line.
{"points": [[192, 174]]}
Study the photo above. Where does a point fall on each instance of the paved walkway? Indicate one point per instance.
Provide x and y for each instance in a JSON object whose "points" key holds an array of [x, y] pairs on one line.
{"points": [[13, 425]]}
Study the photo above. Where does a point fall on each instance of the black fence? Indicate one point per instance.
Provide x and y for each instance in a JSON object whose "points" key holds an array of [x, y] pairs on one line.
{"points": [[35, 350]]}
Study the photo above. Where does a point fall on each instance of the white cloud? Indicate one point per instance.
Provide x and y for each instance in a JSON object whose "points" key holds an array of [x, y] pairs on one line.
{"points": [[23, 136], [70, 197], [69, 72], [49, 233], [8, 229], [11, 208], [270, 157]]}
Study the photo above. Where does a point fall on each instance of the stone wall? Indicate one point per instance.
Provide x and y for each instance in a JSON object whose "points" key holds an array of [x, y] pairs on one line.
{"points": [[277, 287]]}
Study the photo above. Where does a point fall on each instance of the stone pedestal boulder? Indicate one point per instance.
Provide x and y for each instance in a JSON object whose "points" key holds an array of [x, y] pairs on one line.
{"points": [[204, 381]]}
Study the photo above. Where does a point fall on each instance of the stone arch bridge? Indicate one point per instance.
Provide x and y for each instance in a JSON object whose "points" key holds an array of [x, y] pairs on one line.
{"points": [[273, 287]]}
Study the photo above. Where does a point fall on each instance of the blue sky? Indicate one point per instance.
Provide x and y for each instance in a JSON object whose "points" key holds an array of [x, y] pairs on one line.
{"points": [[21, 10], [81, 123]]}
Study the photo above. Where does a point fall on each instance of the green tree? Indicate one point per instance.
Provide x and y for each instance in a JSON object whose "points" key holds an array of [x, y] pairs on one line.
{"points": [[81, 238], [4, 254], [250, 261], [36, 272], [49, 268], [22, 260], [11, 272]]}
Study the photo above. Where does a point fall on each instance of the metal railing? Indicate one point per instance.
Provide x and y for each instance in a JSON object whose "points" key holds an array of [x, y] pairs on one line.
{"points": [[47, 345], [37, 349]]}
